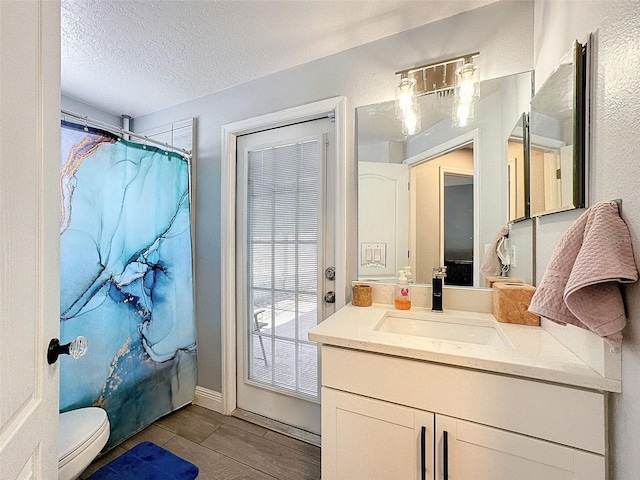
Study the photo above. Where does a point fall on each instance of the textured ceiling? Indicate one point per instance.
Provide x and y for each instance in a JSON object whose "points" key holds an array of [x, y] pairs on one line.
{"points": [[135, 57]]}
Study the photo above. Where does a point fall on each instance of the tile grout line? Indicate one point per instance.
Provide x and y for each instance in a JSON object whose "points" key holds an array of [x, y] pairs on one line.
{"points": [[220, 453], [247, 464], [252, 467]]}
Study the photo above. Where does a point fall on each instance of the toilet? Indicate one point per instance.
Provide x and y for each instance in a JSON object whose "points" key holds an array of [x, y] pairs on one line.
{"points": [[81, 436]]}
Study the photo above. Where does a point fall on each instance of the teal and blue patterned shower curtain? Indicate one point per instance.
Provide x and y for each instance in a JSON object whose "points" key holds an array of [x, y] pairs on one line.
{"points": [[126, 279]]}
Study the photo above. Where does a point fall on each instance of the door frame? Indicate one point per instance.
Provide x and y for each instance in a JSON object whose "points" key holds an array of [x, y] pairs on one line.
{"points": [[460, 172], [334, 107], [473, 137]]}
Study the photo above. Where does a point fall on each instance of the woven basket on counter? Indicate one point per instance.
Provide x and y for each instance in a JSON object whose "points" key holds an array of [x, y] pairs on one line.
{"points": [[361, 295]]}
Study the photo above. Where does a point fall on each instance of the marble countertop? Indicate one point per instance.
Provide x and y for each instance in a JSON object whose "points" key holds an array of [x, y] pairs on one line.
{"points": [[532, 352]]}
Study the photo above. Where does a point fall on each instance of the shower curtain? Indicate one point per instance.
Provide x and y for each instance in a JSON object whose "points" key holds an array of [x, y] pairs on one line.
{"points": [[126, 279]]}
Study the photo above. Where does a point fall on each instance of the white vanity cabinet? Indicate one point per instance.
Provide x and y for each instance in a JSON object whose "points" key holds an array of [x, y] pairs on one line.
{"points": [[372, 439], [477, 451], [386, 417]]}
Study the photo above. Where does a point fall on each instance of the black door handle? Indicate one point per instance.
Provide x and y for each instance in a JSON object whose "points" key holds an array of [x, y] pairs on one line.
{"points": [[445, 455], [423, 454]]}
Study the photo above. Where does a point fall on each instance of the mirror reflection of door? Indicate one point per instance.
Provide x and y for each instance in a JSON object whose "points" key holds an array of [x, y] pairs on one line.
{"points": [[518, 170], [383, 225], [457, 225], [514, 190], [551, 185], [429, 207]]}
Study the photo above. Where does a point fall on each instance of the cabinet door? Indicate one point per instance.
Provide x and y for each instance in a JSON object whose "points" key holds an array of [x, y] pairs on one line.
{"points": [[469, 451], [367, 438]]}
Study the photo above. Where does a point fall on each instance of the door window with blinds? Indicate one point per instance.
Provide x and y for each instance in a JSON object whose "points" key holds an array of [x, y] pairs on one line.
{"points": [[283, 201]]}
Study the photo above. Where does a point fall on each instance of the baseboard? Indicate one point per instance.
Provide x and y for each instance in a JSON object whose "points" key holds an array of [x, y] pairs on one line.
{"points": [[279, 427], [208, 399]]}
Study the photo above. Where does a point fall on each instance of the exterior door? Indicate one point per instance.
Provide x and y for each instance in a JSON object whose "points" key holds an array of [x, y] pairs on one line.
{"points": [[29, 249], [285, 237]]}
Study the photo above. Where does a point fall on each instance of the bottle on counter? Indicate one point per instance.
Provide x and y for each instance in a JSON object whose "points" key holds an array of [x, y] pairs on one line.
{"points": [[403, 292]]}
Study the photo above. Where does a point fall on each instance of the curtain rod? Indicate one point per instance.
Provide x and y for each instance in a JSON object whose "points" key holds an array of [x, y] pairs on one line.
{"points": [[121, 131]]}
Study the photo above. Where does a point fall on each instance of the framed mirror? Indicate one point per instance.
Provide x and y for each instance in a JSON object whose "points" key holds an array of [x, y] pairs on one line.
{"points": [[438, 197], [518, 170], [557, 137]]}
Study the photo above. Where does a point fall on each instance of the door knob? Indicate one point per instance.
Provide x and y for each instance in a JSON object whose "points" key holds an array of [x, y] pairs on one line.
{"points": [[330, 273], [76, 349], [330, 297]]}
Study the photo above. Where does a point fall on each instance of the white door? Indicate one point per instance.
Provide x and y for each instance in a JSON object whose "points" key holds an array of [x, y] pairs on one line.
{"points": [[552, 183], [383, 225], [566, 176], [29, 249], [371, 439], [473, 451], [284, 244]]}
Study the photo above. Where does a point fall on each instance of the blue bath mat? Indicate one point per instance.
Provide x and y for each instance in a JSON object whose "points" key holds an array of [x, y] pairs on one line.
{"points": [[147, 461]]}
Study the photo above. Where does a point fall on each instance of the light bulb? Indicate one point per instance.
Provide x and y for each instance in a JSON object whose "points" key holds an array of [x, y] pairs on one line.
{"points": [[467, 83], [405, 97], [462, 114], [411, 122]]}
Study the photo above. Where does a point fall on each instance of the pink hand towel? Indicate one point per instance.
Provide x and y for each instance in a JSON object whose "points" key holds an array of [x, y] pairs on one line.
{"points": [[581, 283]]}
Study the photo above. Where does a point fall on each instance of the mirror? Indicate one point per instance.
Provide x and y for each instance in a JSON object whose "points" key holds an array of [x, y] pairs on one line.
{"points": [[438, 197], [518, 170], [557, 138]]}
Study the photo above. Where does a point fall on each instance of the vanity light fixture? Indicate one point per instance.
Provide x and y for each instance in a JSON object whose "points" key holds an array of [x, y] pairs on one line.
{"points": [[407, 108], [467, 92], [459, 75]]}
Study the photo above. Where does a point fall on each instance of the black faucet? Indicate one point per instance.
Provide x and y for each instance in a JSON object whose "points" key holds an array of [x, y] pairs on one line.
{"points": [[436, 288]]}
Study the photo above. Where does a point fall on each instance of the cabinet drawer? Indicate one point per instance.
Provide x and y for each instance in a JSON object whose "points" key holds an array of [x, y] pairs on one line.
{"points": [[565, 415]]}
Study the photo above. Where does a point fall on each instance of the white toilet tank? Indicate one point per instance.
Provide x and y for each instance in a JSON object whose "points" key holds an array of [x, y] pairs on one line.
{"points": [[82, 434]]}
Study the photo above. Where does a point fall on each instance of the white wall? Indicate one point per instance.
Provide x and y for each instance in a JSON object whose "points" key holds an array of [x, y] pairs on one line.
{"points": [[502, 32], [385, 152], [80, 108], [615, 171]]}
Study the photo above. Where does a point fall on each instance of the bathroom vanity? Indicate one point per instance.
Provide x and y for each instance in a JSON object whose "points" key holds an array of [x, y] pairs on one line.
{"points": [[457, 395]]}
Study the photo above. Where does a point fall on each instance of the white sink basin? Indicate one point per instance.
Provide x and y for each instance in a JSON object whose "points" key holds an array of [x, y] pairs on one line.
{"points": [[478, 331]]}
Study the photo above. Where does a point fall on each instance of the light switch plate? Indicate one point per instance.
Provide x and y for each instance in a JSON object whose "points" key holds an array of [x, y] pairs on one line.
{"points": [[373, 254]]}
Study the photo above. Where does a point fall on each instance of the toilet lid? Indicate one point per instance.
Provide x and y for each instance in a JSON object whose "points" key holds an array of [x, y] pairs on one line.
{"points": [[79, 428]]}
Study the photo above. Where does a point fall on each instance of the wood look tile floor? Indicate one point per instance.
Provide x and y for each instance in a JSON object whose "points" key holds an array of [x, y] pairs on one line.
{"points": [[225, 447]]}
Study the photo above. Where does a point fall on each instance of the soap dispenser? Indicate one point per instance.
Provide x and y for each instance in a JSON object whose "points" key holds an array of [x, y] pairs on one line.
{"points": [[403, 292], [408, 274]]}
